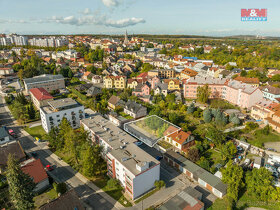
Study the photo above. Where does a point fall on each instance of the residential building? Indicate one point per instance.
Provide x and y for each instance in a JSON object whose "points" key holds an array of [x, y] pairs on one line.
{"points": [[46, 81], [180, 140], [173, 84], [68, 200], [87, 75], [4, 136], [93, 91], [161, 88], [134, 109], [196, 173], [120, 82], [215, 85], [166, 73], [274, 121], [142, 89], [241, 94], [188, 73], [187, 199], [96, 79], [214, 72], [35, 169], [6, 71], [55, 111], [40, 97], [114, 102], [136, 170], [263, 109], [132, 83], [251, 81], [271, 93], [13, 148]]}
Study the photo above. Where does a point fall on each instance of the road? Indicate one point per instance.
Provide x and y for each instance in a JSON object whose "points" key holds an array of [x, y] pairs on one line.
{"points": [[93, 198]]}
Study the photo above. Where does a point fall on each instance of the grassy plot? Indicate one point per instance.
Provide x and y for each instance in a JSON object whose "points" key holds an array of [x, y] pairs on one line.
{"points": [[36, 131], [45, 197]]}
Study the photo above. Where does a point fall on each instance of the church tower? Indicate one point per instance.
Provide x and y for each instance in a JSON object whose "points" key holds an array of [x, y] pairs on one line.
{"points": [[125, 38]]}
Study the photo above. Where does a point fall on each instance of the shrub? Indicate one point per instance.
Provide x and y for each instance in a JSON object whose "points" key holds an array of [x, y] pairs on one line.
{"points": [[159, 184], [60, 188], [112, 184], [251, 126]]}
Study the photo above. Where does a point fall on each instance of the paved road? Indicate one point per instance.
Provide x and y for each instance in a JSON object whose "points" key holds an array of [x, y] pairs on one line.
{"points": [[95, 200]]}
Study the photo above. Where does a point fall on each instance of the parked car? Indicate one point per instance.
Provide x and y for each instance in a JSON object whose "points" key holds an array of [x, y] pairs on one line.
{"points": [[271, 149], [158, 158], [49, 168], [12, 133], [247, 162], [138, 143]]}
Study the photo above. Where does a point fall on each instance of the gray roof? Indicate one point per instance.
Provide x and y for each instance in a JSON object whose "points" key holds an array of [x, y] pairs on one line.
{"points": [[207, 80], [133, 106], [162, 86], [94, 91], [43, 78], [3, 133], [114, 136], [11, 148], [197, 171], [63, 103]]}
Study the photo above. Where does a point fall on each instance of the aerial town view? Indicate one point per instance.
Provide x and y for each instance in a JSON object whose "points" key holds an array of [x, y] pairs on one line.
{"points": [[139, 105]]}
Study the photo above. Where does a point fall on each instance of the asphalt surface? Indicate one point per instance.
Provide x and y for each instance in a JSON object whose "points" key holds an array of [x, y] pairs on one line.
{"points": [[94, 200]]}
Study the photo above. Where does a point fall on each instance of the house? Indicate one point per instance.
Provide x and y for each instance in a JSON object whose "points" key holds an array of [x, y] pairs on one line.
{"points": [[68, 200], [214, 72], [56, 110], [87, 75], [46, 81], [6, 71], [83, 87], [13, 148], [134, 109], [258, 162], [251, 81], [132, 83], [188, 73], [120, 152], [154, 81], [188, 199], [93, 91], [40, 97], [96, 79], [173, 84], [274, 121], [196, 173], [180, 140], [161, 88], [114, 102], [108, 82], [4, 136], [271, 93], [263, 109], [118, 120], [142, 90], [118, 82], [35, 169], [166, 73]]}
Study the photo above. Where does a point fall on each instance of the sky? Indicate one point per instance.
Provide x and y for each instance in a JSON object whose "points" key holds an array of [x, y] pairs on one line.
{"points": [[196, 17]]}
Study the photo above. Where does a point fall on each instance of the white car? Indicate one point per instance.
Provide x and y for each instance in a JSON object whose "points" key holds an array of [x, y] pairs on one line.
{"points": [[247, 161]]}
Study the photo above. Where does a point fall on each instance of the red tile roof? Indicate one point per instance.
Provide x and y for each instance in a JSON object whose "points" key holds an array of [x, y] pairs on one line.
{"points": [[247, 80], [180, 136], [40, 94], [143, 75], [36, 170]]}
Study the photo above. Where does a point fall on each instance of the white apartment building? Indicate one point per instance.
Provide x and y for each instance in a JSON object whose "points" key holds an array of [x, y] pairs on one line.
{"points": [[136, 170], [48, 42], [17, 39], [52, 114]]}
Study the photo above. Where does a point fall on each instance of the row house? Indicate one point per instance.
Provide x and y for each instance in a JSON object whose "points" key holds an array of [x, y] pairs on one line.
{"points": [[118, 82], [135, 169]]}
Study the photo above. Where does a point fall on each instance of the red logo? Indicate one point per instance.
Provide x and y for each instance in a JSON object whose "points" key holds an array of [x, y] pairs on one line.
{"points": [[254, 14]]}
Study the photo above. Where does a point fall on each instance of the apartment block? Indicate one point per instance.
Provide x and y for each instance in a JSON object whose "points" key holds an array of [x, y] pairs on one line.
{"points": [[52, 114], [46, 81], [134, 168], [40, 97]]}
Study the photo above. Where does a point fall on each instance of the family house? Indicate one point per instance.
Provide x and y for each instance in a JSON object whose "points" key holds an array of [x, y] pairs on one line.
{"points": [[134, 109]]}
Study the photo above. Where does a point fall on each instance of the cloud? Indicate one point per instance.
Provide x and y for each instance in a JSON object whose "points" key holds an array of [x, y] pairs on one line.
{"points": [[86, 11], [96, 20], [111, 3]]}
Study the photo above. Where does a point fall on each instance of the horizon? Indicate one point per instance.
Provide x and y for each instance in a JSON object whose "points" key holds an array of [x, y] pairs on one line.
{"points": [[156, 17]]}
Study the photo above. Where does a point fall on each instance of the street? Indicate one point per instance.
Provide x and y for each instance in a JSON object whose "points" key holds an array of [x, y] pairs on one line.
{"points": [[95, 200]]}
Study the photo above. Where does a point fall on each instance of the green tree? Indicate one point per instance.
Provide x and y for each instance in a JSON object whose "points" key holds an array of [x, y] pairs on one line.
{"points": [[232, 175], [259, 183], [60, 188], [191, 108], [204, 163], [146, 67], [235, 120], [21, 185], [207, 116], [92, 160], [228, 150], [193, 154], [203, 93], [31, 111], [113, 184], [216, 136]]}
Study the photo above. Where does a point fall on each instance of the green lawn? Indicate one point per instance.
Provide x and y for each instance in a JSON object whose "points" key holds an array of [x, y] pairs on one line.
{"points": [[45, 197], [147, 195], [259, 140], [244, 202], [126, 116], [213, 156], [37, 131], [219, 103], [164, 144]]}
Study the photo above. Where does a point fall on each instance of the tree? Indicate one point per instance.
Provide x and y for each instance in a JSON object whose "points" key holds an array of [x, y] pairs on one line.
{"points": [[243, 73], [146, 67], [31, 111], [216, 136], [92, 160], [113, 184], [60, 188], [259, 183], [193, 154], [207, 116], [232, 175], [204, 163], [228, 150], [191, 108], [203, 93], [21, 185], [174, 118], [159, 184], [70, 73], [235, 120]]}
